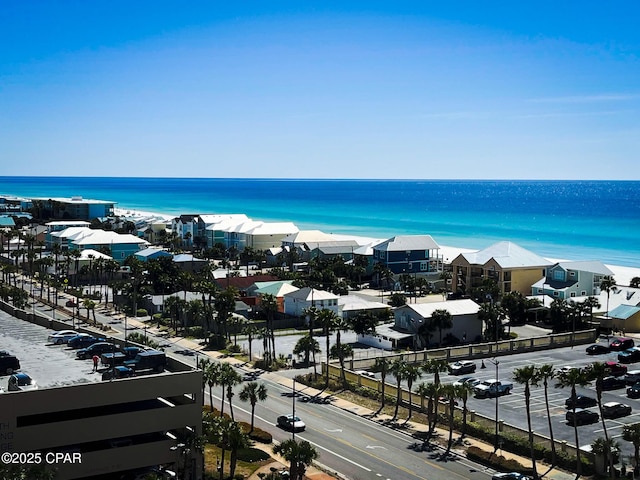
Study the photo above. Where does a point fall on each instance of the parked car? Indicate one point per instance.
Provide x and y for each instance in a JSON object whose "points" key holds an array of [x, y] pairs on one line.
{"points": [[471, 381], [462, 367], [566, 369], [630, 355], [616, 369], [119, 356], [148, 360], [634, 390], [21, 382], [615, 410], [365, 373], [621, 343], [580, 401], [632, 376], [62, 336], [291, 422], [581, 417], [71, 303], [9, 364], [598, 349], [97, 348], [492, 388], [83, 340], [119, 371], [613, 383]]}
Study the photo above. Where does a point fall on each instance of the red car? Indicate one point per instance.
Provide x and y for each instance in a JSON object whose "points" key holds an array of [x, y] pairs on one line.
{"points": [[616, 369]]}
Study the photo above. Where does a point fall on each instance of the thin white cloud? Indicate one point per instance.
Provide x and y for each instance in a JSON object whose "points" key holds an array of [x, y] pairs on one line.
{"points": [[604, 97]]}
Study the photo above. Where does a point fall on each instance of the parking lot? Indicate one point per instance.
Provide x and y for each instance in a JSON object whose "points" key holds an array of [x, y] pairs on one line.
{"points": [[512, 409], [50, 365]]}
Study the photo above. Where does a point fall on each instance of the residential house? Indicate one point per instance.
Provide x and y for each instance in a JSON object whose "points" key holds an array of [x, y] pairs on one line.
{"points": [[186, 227], [188, 263], [235, 235], [295, 303], [268, 235], [409, 254], [53, 235], [152, 253], [121, 246], [625, 318], [211, 227], [352, 305], [566, 280], [242, 283], [278, 289], [513, 268]]}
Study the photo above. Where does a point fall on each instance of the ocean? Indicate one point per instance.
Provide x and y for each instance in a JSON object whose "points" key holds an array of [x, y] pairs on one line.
{"points": [[573, 220]]}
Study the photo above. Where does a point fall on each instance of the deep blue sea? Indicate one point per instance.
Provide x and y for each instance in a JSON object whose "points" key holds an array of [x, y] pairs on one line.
{"points": [[576, 220]]}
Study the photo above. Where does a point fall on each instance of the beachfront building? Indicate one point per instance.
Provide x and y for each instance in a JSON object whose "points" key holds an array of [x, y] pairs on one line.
{"points": [[74, 208], [566, 280], [410, 254], [212, 227], [513, 268], [235, 235], [268, 235], [295, 303], [186, 227], [121, 246]]}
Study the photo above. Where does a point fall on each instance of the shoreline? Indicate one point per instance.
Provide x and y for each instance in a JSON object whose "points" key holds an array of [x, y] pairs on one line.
{"points": [[622, 273]]}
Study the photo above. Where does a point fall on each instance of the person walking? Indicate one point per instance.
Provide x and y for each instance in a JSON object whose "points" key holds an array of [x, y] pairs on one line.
{"points": [[96, 359]]}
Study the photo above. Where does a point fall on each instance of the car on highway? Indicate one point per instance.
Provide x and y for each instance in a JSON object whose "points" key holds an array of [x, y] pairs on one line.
{"points": [[580, 401], [615, 369], [621, 343], [598, 349], [510, 476], [462, 367], [365, 373], [630, 355], [613, 383], [615, 410], [581, 416], [19, 382], [291, 422], [634, 390], [83, 340], [471, 381], [97, 348], [62, 336]]}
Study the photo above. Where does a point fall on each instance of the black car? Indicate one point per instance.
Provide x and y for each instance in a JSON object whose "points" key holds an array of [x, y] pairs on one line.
{"points": [[598, 349], [613, 383], [580, 401], [118, 372], [615, 410], [83, 341], [8, 364], [97, 348], [581, 417], [634, 390]]}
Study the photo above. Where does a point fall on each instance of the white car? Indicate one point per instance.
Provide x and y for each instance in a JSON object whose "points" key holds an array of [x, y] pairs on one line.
{"points": [[365, 373], [63, 336], [471, 381], [289, 422]]}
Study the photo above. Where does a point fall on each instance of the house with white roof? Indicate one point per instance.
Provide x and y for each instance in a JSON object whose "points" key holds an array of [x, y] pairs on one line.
{"points": [[268, 234], [409, 318], [295, 303], [236, 235], [409, 254], [152, 253], [513, 268], [351, 305], [213, 227], [121, 246], [565, 280]]}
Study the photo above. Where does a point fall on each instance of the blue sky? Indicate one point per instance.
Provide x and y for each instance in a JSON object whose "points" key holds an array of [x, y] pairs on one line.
{"points": [[542, 90]]}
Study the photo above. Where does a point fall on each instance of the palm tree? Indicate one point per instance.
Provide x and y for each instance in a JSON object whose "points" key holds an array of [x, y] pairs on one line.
{"points": [[381, 366], [411, 374], [572, 378], [269, 306], [229, 379], [544, 373], [606, 448], [589, 304], [463, 392], [251, 331], [341, 352], [435, 366], [607, 284], [253, 392], [299, 455], [450, 393], [211, 376], [441, 319], [431, 391], [525, 376], [228, 435], [631, 433], [307, 344], [596, 372], [327, 318], [398, 369]]}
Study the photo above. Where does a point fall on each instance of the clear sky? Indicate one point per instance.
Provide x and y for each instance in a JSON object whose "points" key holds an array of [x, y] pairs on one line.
{"points": [[449, 89]]}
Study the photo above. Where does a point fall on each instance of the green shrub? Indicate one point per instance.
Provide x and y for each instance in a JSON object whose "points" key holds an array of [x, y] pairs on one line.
{"points": [[262, 436], [251, 455], [234, 348], [142, 312]]}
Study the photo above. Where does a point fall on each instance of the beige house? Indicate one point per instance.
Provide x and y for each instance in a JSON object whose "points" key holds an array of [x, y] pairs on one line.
{"points": [[512, 267]]}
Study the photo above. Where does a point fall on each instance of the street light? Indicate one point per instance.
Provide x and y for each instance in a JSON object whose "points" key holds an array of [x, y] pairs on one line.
{"points": [[497, 437]]}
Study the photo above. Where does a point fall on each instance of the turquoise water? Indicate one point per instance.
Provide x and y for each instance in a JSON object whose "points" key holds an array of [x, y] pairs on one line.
{"points": [[581, 220]]}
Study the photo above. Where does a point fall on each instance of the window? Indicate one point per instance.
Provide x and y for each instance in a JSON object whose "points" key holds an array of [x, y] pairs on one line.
{"points": [[558, 275], [573, 294], [556, 294], [583, 293], [572, 274], [423, 266]]}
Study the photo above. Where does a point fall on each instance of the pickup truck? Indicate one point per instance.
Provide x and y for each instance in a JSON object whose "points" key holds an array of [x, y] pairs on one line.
{"points": [[120, 356], [492, 388]]}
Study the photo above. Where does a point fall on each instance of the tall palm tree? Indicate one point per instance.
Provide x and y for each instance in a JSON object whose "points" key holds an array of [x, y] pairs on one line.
{"points": [[251, 331], [596, 372], [269, 306], [311, 313], [544, 373], [631, 433], [463, 392], [341, 352], [441, 319], [525, 376], [607, 284], [299, 455], [253, 392], [306, 345], [411, 374], [430, 391], [450, 393], [211, 376], [435, 366], [571, 379], [382, 366], [327, 319], [398, 369], [606, 448], [230, 378]]}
